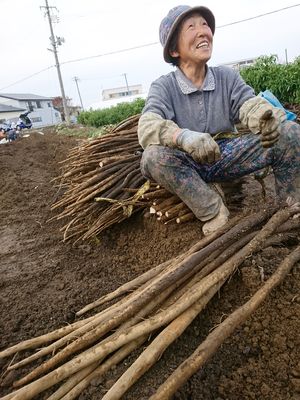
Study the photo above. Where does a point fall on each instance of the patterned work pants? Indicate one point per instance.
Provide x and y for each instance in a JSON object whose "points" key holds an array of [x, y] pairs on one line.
{"points": [[180, 174]]}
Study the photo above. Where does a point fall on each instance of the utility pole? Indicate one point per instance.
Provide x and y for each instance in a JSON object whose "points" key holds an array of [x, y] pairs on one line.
{"points": [[76, 79], [125, 76], [286, 56], [57, 42]]}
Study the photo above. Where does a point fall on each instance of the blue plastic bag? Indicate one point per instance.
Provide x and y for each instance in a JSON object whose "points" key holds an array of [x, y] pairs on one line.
{"points": [[269, 96]]}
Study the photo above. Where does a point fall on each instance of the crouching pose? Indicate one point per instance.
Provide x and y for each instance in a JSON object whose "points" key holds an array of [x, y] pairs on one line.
{"points": [[188, 110]]}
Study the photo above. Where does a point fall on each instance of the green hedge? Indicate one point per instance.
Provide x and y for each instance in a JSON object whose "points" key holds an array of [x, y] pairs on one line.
{"points": [[283, 80], [112, 115]]}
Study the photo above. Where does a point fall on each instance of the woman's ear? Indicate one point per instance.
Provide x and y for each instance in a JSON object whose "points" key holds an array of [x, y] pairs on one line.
{"points": [[174, 53]]}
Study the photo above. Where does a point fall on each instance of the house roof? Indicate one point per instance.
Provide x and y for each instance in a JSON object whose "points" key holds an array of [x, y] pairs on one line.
{"points": [[5, 108], [24, 96]]}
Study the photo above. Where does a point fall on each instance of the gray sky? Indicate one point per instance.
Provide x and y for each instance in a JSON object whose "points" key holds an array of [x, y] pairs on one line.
{"points": [[97, 27]]}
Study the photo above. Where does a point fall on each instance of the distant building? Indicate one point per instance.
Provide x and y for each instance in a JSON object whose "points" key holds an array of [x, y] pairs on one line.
{"points": [[237, 65], [114, 96], [42, 112], [116, 93], [100, 105]]}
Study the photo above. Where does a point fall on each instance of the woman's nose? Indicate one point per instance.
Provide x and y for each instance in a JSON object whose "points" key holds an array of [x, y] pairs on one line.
{"points": [[199, 32]]}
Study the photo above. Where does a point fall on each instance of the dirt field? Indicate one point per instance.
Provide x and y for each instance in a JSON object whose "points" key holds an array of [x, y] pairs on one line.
{"points": [[43, 281]]}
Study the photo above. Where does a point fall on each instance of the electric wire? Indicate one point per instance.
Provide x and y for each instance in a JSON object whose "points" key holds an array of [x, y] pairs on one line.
{"points": [[143, 45], [28, 77]]}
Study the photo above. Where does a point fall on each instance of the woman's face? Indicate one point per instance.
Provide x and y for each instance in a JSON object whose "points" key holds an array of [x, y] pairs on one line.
{"points": [[195, 40]]}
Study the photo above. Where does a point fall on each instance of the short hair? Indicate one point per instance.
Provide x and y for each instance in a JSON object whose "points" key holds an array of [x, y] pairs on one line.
{"points": [[173, 46]]}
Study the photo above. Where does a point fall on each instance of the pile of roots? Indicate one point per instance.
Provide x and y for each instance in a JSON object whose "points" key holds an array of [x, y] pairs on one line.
{"points": [[151, 312], [103, 185]]}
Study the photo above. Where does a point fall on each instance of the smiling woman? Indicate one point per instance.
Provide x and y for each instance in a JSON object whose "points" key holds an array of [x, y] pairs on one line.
{"points": [[187, 113]]}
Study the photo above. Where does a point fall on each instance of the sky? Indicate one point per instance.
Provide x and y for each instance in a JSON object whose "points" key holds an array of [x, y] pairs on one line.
{"points": [[98, 32]]}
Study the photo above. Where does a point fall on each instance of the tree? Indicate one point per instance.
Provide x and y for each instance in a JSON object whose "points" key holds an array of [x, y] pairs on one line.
{"points": [[58, 105]]}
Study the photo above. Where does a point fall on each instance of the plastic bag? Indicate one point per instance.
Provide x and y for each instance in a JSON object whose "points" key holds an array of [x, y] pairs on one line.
{"points": [[269, 96]]}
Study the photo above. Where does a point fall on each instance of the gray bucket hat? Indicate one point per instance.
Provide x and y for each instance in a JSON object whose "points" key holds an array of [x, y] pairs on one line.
{"points": [[172, 20]]}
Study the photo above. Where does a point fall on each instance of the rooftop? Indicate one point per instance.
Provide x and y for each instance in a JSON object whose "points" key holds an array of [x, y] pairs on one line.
{"points": [[24, 96], [5, 108]]}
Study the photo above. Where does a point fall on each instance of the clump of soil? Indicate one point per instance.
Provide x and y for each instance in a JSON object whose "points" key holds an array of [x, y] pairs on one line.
{"points": [[45, 281]]}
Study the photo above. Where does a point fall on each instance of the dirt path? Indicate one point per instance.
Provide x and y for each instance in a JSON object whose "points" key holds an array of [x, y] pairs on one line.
{"points": [[44, 281]]}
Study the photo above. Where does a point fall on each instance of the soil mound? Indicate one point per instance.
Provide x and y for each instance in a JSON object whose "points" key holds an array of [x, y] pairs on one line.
{"points": [[45, 281]]}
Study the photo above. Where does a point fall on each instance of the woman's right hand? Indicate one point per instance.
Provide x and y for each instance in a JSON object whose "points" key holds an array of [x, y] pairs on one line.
{"points": [[200, 145]]}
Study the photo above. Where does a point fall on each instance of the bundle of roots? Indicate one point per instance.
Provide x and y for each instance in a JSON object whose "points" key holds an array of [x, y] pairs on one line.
{"points": [[151, 312]]}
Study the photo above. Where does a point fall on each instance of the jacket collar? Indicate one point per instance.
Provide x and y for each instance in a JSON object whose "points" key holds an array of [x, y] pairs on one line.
{"points": [[187, 87]]}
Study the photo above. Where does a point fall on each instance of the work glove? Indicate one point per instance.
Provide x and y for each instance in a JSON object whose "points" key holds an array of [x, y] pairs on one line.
{"points": [[153, 129], [201, 146], [269, 129], [262, 118]]}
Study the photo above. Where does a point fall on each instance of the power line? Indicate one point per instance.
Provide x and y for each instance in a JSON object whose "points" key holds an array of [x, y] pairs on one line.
{"points": [[101, 77], [110, 53], [258, 16], [28, 77], [155, 43], [146, 45]]}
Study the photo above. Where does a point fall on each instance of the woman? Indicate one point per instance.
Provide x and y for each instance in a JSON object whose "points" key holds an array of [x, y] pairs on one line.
{"points": [[188, 110]]}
